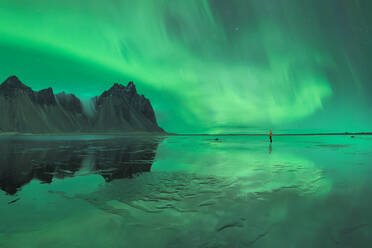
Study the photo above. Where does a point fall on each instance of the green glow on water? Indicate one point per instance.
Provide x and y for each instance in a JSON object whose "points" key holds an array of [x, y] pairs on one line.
{"points": [[199, 191]]}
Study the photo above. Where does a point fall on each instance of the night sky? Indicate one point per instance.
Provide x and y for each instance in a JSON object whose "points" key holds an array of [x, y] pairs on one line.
{"points": [[207, 66]]}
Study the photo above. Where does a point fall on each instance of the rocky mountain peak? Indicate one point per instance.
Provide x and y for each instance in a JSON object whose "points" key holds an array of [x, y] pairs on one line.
{"points": [[11, 84], [45, 96], [131, 87], [117, 86], [120, 90], [13, 81]]}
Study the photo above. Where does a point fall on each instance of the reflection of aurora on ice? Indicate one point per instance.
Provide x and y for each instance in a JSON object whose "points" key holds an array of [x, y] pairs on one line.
{"points": [[222, 199], [246, 163], [166, 207], [306, 192], [184, 192], [187, 192]]}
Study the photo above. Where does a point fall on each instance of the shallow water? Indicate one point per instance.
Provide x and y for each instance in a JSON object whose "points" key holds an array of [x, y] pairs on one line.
{"points": [[105, 191]]}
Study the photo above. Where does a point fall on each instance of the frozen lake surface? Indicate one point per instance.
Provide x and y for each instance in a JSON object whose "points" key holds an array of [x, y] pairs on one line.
{"points": [[105, 191]]}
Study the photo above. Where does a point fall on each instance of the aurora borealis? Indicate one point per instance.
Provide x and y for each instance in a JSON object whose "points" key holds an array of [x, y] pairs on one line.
{"points": [[206, 66]]}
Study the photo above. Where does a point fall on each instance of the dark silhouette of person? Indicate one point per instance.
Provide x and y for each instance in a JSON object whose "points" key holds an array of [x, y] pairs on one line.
{"points": [[271, 136]]}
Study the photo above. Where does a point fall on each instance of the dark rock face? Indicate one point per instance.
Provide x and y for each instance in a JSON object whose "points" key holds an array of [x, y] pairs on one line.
{"points": [[120, 109], [70, 102], [125, 107], [12, 86], [45, 96]]}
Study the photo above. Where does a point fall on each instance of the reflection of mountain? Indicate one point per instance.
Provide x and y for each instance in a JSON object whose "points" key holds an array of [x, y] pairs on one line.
{"points": [[21, 161]]}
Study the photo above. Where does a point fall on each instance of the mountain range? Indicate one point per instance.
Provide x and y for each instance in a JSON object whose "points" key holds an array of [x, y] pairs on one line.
{"points": [[119, 109]]}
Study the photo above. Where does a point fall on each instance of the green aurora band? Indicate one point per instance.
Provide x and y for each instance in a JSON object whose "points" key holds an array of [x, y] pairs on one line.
{"points": [[207, 66]]}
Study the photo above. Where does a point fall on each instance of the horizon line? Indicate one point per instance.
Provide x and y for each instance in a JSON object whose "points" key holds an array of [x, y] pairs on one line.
{"points": [[280, 134]]}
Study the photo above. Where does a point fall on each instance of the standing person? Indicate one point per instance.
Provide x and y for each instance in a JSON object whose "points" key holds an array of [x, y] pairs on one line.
{"points": [[271, 136]]}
